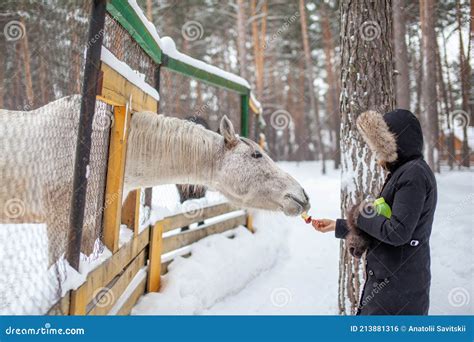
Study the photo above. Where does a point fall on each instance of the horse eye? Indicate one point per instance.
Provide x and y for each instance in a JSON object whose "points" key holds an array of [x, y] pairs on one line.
{"points": [[256, 154]]}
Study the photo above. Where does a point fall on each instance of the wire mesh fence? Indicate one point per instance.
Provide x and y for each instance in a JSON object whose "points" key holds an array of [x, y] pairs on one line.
{"points": [[42, 48], [184, 97], [126, 49], [36, 168]]}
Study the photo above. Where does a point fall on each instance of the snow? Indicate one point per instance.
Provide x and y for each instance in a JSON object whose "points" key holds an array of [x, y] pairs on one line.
{"points": [[284, 268], [287, 268], [89, 262], [28, 285], [123, 69], [452, 246]]}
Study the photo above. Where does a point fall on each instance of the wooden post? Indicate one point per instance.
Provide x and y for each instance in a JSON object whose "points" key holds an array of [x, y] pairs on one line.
{"points": [[84, 134], [156, 246], [250, 223], [115, 175], [79, 301], [136, 221]]}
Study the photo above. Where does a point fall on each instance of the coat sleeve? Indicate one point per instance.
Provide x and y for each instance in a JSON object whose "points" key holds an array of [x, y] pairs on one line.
{"points": [[407, 206], [341, 228]]}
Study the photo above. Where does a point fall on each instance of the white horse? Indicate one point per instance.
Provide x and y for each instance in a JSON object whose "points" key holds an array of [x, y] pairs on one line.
{"points": [[37, 155], [166, 150]]}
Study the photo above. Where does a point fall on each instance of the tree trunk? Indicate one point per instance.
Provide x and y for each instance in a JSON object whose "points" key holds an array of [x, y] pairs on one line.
{"points": [[258, 45], [2, 75], [366, 83], [465, 72], [241, 38], [446, 110], [314, 113], [303, 143], [402, 81], [333, 94], [149, 13], [428, 91], [450, 140]]}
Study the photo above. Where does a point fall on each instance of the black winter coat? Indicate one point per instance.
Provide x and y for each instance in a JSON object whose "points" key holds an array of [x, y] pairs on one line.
{"points": [[398, 258]]}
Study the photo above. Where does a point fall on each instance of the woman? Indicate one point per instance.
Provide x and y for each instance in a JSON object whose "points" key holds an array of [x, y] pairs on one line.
{"points": [[398, 251]]}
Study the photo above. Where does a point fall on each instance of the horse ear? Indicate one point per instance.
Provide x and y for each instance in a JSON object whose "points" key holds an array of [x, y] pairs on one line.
{"points": [[227, 131]]}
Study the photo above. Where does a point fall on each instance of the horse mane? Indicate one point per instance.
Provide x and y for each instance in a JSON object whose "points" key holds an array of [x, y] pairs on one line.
{"points": [[160, 144]]}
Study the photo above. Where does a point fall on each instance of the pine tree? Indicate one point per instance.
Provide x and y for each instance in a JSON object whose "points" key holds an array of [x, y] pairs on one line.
{"points": [[366, 83]]}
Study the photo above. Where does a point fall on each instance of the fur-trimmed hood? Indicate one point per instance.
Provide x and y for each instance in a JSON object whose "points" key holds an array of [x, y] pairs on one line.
{"points": [[395, 137]]}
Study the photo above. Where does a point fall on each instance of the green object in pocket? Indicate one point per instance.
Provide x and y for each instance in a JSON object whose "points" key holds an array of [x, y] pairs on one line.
{"points": [[382, 207]]}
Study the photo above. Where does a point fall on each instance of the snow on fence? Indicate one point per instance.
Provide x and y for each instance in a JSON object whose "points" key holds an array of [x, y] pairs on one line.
{"points": [[132, 59]]}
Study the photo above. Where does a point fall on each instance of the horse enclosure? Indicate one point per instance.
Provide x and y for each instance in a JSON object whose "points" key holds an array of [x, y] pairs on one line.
{"points": [[63, 162]]}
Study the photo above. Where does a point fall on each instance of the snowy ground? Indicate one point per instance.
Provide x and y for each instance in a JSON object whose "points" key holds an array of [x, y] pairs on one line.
{"points": [[287, 268]]}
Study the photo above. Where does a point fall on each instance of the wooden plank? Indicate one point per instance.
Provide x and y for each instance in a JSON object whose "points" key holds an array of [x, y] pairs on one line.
{"points": [[103, 274], [183, 239], [128, 210], [132, 300], [156, 245], [116, 90], [78, 301], [185, 219], [113, 293], [115, 175]]}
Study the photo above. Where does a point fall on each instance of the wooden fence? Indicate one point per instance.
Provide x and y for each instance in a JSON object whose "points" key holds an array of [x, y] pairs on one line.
{"points": [[136, 266]]}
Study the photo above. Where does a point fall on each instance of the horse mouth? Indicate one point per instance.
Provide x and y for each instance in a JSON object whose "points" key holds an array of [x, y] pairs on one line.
{"points": [[298, 205]]}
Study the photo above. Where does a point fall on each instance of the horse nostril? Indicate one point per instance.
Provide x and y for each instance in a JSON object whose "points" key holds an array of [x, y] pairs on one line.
{"points": [[305, 195]]}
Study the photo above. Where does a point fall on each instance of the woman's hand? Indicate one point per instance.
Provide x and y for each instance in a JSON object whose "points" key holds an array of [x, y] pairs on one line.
{"points": [[324, 225]]}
